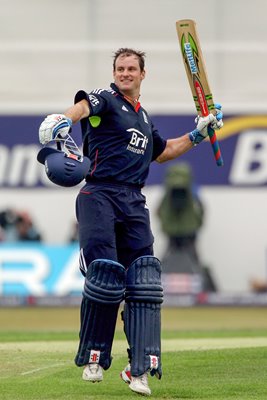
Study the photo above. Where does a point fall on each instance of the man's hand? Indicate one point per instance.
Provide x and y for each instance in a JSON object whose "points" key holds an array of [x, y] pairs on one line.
{"points": [[203, 123], [52, 126], [219, 117]]}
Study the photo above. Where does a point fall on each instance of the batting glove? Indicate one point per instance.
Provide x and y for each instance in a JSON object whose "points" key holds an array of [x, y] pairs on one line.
{"points": [[52, 126], [203, 123], [218, 124]]}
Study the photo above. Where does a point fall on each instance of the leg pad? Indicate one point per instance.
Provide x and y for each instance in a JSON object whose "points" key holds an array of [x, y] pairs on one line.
{"points": [[142, 323], [104, 289]]}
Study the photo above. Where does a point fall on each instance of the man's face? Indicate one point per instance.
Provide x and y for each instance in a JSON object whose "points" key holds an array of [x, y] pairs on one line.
{"points": [[128, 75]]}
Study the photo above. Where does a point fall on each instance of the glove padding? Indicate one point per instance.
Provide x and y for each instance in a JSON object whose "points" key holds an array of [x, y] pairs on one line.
{"points": [[219, 117], [203, 123], [52, 126]]}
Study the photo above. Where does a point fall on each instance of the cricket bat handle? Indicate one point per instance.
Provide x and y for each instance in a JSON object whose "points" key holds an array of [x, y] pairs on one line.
{"points": [[215, 147], [214, 144], [204, 111]]}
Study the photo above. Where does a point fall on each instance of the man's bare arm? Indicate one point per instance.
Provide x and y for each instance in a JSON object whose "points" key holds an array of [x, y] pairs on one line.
{"points": [[78, 111], [175, 148]]}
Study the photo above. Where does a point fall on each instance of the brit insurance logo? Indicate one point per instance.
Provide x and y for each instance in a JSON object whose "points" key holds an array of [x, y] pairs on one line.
{"points": [[138, 142]]}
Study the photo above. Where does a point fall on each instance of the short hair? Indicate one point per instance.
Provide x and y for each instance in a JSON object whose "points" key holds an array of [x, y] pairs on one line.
{"points": [[129, 52]]}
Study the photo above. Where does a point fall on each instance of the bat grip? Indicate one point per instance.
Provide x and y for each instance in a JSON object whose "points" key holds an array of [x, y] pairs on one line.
{"points": [[215, 146], [204, 109], [214, 141]]}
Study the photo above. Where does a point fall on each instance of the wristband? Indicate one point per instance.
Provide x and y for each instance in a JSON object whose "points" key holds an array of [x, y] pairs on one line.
{"points": [[192, 136]]}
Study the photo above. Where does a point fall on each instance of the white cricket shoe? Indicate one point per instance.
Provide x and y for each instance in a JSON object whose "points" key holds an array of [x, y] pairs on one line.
{"points": [[126, 374], [139, 384], [93, 373]]}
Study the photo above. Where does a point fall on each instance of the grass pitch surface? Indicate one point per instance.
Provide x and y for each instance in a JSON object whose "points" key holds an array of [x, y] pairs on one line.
{"points": [[208, 353]]}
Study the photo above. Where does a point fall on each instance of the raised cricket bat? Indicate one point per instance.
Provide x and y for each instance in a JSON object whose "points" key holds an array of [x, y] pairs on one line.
{"points": [[197, 76]]}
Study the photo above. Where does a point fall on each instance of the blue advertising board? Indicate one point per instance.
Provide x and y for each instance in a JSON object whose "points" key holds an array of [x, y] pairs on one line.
{"points": [[39, 270], [243, 142]]}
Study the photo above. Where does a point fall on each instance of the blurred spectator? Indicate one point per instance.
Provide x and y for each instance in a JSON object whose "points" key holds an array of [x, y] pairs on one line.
{"points": [[7, 223], [26, 231], [181, 214], [17, 226], [2, 234], [258, 286]]}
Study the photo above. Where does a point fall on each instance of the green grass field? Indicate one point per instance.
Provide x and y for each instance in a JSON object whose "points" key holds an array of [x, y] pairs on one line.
{"points": [[208, 353]]}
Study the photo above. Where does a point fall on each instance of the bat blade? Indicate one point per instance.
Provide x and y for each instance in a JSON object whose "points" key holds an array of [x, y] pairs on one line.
{"points": [[197, 76]]}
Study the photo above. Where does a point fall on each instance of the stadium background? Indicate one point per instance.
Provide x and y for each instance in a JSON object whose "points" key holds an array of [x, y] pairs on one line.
{"points": [[51, 49]]}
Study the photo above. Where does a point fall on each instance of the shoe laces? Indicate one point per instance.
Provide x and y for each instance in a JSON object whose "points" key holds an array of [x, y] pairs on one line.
{"points": [[93, 368], [143, 379]]}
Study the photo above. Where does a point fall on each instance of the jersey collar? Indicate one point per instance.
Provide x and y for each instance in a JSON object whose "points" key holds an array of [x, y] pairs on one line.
{"points": [[116, 89]]}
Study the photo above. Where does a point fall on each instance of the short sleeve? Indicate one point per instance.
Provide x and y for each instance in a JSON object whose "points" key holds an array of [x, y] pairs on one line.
{"points": [[159, 144], [97, 101]]}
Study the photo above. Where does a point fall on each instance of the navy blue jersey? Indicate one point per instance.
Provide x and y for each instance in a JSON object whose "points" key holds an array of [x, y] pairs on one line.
{"points": [[119, 139]]}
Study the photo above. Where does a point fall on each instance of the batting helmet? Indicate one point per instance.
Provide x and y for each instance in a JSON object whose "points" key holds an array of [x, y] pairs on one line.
{"points": [[63, 169]]}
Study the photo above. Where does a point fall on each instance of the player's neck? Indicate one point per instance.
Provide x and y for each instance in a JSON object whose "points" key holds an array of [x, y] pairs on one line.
{"points": [[132, 99]]}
